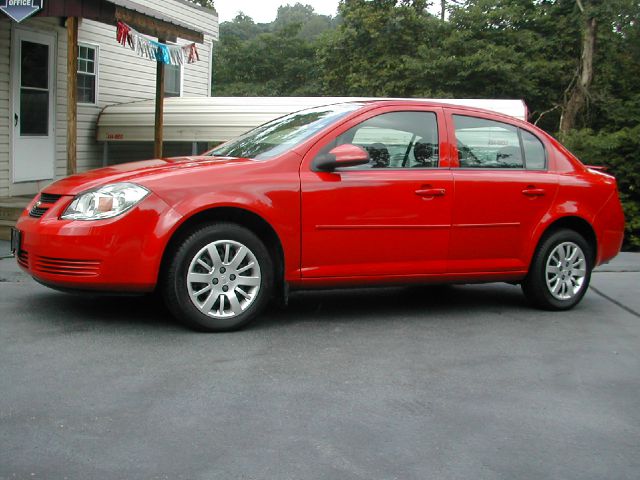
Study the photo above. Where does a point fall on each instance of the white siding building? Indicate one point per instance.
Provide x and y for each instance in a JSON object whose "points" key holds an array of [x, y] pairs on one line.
{"points": [[33, 81]]}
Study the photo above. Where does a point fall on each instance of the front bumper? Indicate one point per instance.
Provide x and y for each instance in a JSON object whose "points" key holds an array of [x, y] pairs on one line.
{"points": [[121, 254]]}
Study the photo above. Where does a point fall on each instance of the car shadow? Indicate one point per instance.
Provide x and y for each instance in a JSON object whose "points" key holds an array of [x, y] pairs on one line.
{"points": [[386, 303], [90, 311], [368, 305]]}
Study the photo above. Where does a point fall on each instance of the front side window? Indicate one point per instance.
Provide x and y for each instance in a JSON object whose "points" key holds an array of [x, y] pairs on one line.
{"points": [[486, 143], [87, 74], [394, 140]]}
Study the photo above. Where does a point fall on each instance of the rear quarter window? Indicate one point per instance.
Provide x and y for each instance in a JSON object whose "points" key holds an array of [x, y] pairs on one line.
{"points": [[534, 152]]}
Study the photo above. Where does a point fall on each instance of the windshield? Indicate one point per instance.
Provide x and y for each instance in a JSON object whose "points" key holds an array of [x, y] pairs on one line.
{"points": [[283, 133]]}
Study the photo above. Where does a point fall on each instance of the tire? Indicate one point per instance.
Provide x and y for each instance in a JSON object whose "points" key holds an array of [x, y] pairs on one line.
{"points": [[560, 271], [208, 287]]}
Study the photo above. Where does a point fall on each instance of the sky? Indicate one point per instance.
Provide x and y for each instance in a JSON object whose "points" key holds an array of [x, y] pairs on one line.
{"points": [[264, 11]]}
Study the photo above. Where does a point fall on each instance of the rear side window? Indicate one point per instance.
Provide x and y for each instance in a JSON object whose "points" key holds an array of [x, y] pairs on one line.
{"points": [[486, 143]]}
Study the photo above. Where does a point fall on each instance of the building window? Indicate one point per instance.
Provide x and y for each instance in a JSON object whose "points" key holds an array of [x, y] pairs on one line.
{"points": [[172, 80], [87, 74]]}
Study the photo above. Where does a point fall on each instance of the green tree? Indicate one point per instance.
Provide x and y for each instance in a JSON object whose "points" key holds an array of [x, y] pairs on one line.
{"points": [[242, 28], [373, 50], [269, 64], [204, 3], [277, 58], [506, 49], [312, 25], [613, 100], [598, 21]]}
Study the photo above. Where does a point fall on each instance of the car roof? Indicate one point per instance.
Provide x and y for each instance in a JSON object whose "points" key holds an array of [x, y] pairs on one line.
{"points": [[431, 103]]}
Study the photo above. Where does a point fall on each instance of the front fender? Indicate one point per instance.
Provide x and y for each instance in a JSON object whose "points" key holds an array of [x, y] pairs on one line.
{"points": [[278, 207]]}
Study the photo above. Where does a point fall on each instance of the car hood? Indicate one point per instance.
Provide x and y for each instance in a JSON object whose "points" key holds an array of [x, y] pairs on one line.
{"points": [[139, 171]]}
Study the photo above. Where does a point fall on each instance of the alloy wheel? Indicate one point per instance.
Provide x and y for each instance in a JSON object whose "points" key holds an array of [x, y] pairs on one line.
{"points": [[565, 271], [223, 279]]}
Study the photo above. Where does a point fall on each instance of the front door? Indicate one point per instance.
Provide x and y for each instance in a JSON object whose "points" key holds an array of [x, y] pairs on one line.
{"points": [[33, 132], [391, 217]]}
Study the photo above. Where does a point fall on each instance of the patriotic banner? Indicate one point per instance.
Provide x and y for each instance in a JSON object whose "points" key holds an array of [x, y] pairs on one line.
{"points": [[156, 51]]}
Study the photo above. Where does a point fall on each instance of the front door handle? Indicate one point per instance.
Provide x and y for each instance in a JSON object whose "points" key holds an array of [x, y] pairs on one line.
{"points": [[431, 192], [532, 191], [15, 119]]}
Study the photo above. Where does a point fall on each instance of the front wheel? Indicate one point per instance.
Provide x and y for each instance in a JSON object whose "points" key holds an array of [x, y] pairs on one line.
{"points": [[560, 271], [219, 279]]}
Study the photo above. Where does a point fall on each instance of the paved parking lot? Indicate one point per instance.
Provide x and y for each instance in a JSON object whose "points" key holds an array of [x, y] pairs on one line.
{"points": [[397, 383]]}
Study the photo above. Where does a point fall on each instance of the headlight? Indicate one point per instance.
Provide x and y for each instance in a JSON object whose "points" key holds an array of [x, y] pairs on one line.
{"points": [[105, 202]]}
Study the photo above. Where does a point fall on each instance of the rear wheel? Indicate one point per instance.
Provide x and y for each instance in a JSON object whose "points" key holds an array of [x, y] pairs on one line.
{"points": [[219, 279], [560, 271]]}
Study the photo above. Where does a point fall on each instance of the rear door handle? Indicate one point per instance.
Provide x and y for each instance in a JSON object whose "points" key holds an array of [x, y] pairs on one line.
{"points": [[431, 192], [533, 192]]}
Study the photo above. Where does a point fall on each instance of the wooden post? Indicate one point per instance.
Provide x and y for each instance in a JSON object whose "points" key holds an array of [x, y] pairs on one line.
{"points": [[105, 154], [157, 147], [72, 92]]}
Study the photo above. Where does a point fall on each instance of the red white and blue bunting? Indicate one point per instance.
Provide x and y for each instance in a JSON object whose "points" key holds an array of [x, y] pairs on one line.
{"points": [[156, 51]]}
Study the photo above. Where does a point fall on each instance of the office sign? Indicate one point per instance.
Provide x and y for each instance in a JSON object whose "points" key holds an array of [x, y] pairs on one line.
{"points": [[18, 10]]}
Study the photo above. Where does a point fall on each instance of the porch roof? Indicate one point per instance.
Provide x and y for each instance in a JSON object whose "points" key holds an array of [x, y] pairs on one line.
{"points": [[144, 19]]}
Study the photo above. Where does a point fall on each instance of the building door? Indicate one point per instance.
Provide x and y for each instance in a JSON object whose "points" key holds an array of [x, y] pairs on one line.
{"points": [[33, 133]]}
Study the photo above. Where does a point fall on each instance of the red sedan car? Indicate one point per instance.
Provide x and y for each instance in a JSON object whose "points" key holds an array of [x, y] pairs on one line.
{"points": [[353, 194]]}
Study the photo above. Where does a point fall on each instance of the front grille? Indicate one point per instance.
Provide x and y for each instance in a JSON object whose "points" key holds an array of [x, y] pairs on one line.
{"points": [[37, 212], [66, 266], [49, 198], [23, 258], [43, 204]]}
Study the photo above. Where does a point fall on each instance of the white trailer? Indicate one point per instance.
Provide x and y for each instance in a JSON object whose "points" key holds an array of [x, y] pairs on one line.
{"points": [[192, 124]]}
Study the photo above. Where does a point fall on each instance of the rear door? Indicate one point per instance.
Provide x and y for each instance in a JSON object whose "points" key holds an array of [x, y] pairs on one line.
{"points": [[390, 217], [503, 190]]}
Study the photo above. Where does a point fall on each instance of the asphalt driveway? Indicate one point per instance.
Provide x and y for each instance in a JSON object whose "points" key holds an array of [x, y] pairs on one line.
{"points": [[462, 382]]}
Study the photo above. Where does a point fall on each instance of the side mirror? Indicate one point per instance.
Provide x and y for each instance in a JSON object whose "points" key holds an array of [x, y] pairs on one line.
{"points": [[346, 155]]}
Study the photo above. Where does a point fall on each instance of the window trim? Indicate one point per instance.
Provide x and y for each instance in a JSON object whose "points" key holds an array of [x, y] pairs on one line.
{"points": [[96, 73], [518, 128]]}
